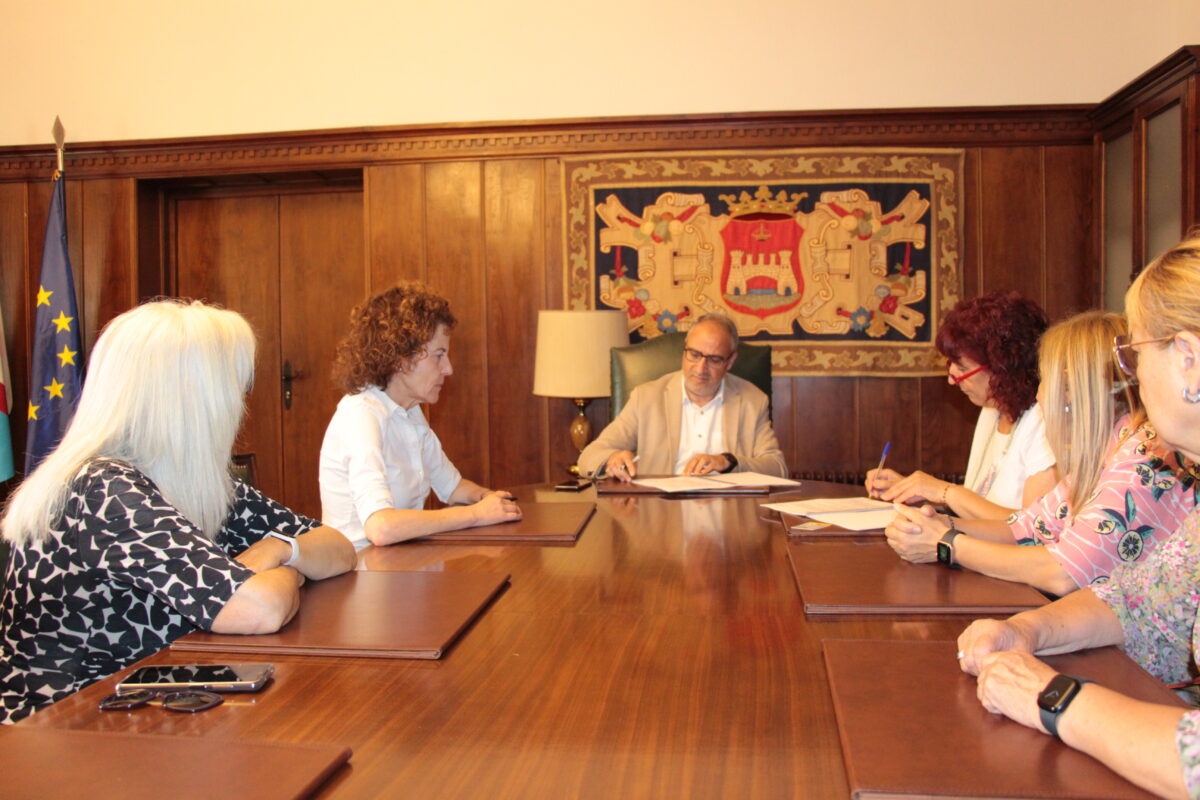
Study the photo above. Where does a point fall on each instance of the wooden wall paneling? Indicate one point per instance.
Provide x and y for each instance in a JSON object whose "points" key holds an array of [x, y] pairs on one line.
{"points": [[456, 269], [1072, 267], [947, 425], [151, 222], [322, 276], [971, 265], [783, 417], [15, 292], [1011, 194], [824, 425], [513, 204], [888, 410], [394, 197], [557, 413], [227, 251], [109, 264]]}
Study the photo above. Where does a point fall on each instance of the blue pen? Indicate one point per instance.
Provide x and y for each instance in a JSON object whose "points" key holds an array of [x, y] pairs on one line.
{"points": [[886, 449]]}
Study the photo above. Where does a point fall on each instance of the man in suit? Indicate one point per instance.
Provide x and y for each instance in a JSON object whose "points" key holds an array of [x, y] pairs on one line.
{"points": [[691, 422]]}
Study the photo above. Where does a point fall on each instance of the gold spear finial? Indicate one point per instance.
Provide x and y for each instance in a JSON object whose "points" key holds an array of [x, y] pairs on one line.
{"points": [[60, 137]]}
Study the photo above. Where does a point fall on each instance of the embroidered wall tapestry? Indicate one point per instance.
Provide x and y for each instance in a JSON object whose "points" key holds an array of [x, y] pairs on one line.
{"points": [[843, 260]]}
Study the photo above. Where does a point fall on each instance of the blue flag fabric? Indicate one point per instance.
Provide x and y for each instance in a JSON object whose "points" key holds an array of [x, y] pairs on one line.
{"points": [[57, 364]]}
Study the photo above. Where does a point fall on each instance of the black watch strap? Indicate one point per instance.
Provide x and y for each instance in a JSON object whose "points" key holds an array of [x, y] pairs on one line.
{"points": [[1056, 698], [945, 547], [733, 462]]}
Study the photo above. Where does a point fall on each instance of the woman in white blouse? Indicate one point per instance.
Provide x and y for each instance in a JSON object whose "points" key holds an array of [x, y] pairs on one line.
{"points": [[990, 345], [380, 458]]}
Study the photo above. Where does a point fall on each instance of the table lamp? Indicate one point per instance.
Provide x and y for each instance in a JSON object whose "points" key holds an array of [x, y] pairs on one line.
{"points": [[573, 359]]}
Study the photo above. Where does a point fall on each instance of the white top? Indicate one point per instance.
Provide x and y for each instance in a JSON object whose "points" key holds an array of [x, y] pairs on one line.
{"points": [[700, 428], [1016, 455], [378, 455]]}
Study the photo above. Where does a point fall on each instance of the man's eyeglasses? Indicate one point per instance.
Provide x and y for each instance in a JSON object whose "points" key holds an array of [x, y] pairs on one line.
{"points": [[1127, 357], [187, 701], [957, 379], [715, 362]]}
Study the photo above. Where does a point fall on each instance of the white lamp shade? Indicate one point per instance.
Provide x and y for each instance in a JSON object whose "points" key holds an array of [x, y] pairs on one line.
{"points": [[572, 352]]}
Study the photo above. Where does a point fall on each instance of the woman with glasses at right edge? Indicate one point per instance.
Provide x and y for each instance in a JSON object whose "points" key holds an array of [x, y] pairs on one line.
{"points": [[1149, 608]]}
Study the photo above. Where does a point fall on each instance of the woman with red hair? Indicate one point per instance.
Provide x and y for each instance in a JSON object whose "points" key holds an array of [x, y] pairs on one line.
{"points": [[991, 349]]}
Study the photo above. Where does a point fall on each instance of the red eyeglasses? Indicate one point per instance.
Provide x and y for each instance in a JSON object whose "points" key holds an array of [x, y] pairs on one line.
{"points": [[957, 380]]}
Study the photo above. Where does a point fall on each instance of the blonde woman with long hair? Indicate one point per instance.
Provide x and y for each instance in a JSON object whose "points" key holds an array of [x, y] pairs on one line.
{"points": [[1149, 609], [131, 533], [1123, 491]]}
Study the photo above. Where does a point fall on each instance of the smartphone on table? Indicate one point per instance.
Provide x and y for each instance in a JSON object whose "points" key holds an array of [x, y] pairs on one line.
{"points": [[213, 677], [575, 485]]}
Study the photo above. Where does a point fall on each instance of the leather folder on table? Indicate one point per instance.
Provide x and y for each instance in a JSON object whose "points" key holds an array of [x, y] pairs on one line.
{"points": [[372, 614], [869, 578], [541, 523], [48, 762], [891, 695]]}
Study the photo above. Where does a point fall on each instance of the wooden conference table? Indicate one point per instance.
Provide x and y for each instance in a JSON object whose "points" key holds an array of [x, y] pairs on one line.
{"points": [[665, 654]]}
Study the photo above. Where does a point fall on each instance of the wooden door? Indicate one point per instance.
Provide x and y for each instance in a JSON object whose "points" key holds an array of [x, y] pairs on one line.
{"points": [[292, 263]]}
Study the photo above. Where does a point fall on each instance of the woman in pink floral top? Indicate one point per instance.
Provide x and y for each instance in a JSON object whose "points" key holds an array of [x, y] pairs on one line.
{"points": [[1122, 494], [1148, 608]]}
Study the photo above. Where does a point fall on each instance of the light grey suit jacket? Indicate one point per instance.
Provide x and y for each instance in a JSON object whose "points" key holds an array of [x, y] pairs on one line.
{"points": [[649, 426]]}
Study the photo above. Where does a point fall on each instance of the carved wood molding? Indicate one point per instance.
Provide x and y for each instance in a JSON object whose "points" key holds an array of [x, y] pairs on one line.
{"points": [[311, 150]]}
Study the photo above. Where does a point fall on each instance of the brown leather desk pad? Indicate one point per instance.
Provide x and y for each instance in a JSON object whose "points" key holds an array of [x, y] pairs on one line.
{"points": [[372, 614], [869, 578], [911, 725], [37, 763], [542, 523], [614, 486]]}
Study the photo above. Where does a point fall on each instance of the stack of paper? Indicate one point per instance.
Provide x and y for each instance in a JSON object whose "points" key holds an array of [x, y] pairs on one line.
{"points": [[713, 483], [851, 513]]}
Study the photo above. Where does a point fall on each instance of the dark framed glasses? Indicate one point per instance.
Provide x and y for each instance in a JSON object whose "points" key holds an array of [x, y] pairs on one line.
{"points": [[713, 361], [957, 379], [1127, 358], [187, 701]]}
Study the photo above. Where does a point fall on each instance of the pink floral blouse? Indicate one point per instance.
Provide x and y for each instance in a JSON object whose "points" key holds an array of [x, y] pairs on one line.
{"points": [[1157, 602], [1141, 498]]}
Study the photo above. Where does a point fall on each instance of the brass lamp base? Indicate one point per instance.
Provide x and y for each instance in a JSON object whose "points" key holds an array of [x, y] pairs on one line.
{"points": [[581, 426]]}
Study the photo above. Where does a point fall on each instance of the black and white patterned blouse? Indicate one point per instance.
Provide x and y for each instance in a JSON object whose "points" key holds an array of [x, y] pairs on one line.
{"points": [[122, 575]]}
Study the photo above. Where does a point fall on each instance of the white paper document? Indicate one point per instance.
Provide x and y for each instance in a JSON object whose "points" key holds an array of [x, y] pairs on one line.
{"points": [[857, 520], [832, 505], [713, 483]]}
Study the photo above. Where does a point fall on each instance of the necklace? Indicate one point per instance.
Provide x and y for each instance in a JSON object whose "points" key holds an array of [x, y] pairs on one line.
{"points": [[985, 485]]}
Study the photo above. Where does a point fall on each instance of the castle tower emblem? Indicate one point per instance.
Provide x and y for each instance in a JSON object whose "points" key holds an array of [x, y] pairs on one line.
{"points": [[760, 273]]}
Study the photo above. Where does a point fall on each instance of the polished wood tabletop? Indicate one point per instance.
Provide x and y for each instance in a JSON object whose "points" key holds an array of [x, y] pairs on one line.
{"points": [[664, 654]]}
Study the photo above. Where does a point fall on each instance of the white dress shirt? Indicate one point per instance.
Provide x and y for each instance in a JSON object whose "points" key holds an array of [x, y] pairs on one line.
{"points": [[1007, 461], [377, 455], [700, 428]]}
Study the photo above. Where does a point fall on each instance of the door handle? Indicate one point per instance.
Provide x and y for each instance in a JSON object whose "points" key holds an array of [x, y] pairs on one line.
{"points": [[289, 375]]}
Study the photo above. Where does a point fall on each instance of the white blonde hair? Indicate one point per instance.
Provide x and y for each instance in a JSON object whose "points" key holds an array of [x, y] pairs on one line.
{"points": [[165, 392], [1076, 362]]}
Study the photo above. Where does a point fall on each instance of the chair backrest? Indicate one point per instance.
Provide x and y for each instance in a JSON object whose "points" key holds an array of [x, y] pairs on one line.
{"points": [[653, 358]]}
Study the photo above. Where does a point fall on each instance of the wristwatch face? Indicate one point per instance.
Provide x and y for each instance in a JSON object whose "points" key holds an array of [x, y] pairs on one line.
{"points": [[945, 554], [1058, 693]]}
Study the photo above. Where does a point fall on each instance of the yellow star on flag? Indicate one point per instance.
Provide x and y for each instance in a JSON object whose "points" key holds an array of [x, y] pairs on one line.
{"points": [[55, 388], [62, 321], [33, 411], [43, 296], [67, 356]]}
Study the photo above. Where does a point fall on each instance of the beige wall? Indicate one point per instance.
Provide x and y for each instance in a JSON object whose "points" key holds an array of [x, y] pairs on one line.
{"points": [[130, 69]]}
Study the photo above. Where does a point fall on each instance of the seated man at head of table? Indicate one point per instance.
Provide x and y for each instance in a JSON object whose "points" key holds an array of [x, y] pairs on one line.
{"points": [[695, 421]]}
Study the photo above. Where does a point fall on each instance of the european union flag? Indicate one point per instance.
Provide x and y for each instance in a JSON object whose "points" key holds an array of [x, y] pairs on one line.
{"points": [[57, 366]]}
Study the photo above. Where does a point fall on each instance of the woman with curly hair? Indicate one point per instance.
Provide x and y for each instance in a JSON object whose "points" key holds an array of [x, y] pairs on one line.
{"points": [[1123, 490], [380, 458], [990, 345]]}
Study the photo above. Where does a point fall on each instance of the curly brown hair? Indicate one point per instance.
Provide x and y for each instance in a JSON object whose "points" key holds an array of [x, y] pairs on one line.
{"points": [[387, 332]]}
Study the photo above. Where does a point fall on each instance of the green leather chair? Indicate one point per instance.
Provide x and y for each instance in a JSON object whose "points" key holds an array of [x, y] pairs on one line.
{"points": [[645, 361]]}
